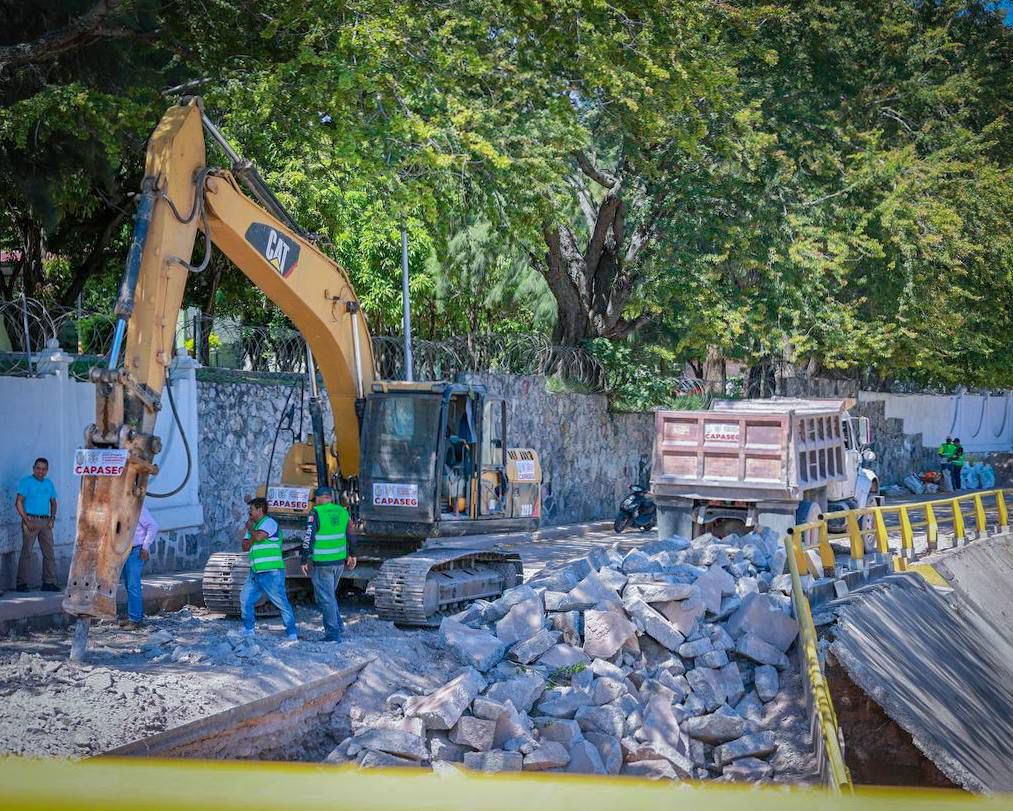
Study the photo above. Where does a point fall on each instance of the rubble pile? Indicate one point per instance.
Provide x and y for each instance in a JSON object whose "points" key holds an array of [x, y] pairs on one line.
{"points": [[655, 663]]}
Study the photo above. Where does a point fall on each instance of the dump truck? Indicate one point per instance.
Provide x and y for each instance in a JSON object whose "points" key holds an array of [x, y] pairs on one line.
{"points": [[746, 463]]}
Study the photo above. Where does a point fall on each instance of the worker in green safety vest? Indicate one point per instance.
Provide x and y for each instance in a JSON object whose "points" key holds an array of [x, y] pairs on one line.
{"points": [[326, 549], [957, 462], [945, 453], [262, 542]]}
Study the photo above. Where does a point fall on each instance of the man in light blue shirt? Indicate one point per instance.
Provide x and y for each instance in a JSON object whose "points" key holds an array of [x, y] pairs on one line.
{"points": [[144, 536], [36, 504]]}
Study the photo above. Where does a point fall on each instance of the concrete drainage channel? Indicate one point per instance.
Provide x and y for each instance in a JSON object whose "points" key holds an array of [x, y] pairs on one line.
{"points": [[282, 726]]}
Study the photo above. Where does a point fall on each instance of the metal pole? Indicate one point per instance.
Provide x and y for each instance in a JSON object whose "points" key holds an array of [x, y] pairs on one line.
{"points": [[409, 374], [28, 337]]}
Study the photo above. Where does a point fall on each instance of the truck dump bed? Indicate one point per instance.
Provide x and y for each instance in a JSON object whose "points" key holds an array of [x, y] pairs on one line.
{"points": [[748, 452]]}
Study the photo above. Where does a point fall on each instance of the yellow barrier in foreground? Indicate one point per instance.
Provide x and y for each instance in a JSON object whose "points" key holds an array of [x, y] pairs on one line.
{"points": [[825, 731], [151, 785], [870, 522]]}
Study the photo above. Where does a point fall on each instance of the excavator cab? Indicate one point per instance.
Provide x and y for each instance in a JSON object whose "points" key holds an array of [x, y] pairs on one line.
{"points": [[435, 463]]}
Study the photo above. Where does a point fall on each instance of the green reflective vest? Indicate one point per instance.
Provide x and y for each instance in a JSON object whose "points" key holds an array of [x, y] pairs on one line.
{"points": [[330, 544], [265, 555], [946, 450]]}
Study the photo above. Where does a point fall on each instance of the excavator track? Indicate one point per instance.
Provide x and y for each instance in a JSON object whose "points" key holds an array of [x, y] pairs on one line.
{"points": [[416, 588], [224, 576]]}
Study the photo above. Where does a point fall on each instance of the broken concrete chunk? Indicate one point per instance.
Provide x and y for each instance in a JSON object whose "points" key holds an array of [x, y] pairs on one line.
{"points": [[522, 691], [605, 632], [729, 605], [560, 730], [593, 590], [549, 755], [677, 684], [511, 725], [731, 680], [714, 584], [522, 621], [712, 659], [487, 709], [606, 719], [585, 759], [494, 761], [443, 707], [564, 702], [473, 615], [530, 649], [655, 625], [759, 744], [553, 599], [393, 742], [697, 647], [637, 561], [441, 749], [606, 690], [474, 732], [569, 624], [651, 770], [748, 769], [612, 578], [609, 749], [563, 656], [683, 615], [721, 640], [766, 681], [752, 647], [381, 760], [762, 616], [718, 727], [708, 685], [662, 733], [474, 647], [750, 707], [601, 667], [661, 592]]}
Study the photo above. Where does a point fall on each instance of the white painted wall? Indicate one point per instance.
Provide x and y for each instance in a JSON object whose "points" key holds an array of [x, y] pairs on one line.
{"points": [[46, 416], [983, 423]]}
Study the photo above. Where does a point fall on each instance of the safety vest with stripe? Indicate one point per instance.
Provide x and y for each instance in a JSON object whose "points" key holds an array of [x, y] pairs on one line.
{"points": [[265, 555], [330, 543]]}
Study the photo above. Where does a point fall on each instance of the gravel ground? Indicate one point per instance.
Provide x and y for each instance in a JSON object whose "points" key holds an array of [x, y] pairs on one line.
{"points": [[181, 667]]}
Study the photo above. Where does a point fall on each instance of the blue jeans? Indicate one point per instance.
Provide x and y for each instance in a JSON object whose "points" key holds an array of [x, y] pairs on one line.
{"points": [[131, 578], [273, 585], [325, 592]]}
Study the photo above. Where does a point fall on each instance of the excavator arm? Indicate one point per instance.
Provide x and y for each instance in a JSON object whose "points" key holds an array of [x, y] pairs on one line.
{"points": [[179, 195]]}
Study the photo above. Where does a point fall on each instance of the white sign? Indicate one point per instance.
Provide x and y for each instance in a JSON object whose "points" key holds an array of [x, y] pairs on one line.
{"points": [[100, 461], [288, 498], [387, 494], [527, 510], [525, 470], [721, 432]]}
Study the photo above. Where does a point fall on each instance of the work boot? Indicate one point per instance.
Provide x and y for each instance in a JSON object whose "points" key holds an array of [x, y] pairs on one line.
{"points": [[51, 587], [132, 625], [22, 588]]}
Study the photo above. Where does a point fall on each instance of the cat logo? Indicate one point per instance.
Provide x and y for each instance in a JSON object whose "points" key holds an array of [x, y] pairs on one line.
{"points": [[278, 249]]}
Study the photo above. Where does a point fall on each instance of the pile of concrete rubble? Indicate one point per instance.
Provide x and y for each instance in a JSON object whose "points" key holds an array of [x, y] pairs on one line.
{"points": [[655, 663]]}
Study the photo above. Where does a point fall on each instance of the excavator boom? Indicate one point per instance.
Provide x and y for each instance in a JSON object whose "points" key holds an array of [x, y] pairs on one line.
{"points": [[180, 194]]}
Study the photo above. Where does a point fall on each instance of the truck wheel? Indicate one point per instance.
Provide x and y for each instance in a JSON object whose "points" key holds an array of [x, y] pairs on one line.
{"points": [[807, 513]]}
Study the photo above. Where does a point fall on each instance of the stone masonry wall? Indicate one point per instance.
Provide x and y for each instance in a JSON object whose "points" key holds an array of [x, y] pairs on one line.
{"points": [[589, 455]]}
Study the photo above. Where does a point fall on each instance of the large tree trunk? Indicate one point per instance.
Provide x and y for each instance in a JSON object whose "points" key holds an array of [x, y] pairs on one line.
{"points": [[593, 284]]}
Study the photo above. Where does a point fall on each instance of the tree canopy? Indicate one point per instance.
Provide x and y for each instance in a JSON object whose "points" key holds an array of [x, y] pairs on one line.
{"points": [[821, 185]]}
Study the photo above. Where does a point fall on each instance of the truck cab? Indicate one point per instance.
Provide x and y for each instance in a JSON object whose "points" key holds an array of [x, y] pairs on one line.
{"points": [[435, 463]]}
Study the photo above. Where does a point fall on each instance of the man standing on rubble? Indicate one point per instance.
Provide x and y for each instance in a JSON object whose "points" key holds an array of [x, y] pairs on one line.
{"points": [[144, 536], [267, 570], [326, 549]]}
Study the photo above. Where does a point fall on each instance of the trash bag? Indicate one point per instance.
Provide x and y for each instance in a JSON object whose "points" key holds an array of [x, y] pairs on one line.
{"points": [[946, 483], [986, 476], [914, 484], [931, 487], [969, 477]]}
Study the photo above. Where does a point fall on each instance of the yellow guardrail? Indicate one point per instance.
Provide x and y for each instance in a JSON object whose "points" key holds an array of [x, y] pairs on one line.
{"points": [[826, 735], [871, 523]]}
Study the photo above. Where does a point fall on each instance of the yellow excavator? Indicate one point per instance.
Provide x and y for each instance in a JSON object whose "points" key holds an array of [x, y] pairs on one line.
{"points": [[420, 460]]}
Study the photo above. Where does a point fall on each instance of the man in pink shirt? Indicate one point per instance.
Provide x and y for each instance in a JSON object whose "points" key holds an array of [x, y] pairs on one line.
{"points": [[144, 536]]}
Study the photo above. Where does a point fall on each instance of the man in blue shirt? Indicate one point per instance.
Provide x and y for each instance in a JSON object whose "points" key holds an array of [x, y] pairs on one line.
{"points": [[36, 504]]}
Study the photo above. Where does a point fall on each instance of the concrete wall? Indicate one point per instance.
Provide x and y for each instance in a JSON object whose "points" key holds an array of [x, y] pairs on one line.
{"points": [[984, 423], [46, 416]]}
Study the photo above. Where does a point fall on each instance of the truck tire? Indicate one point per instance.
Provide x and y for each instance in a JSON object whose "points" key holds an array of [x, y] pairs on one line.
{"points": [[806, 513]]}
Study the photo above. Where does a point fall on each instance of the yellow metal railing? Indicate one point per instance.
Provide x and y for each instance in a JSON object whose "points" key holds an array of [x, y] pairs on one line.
{"points": [[826, 735], [814, 554]]}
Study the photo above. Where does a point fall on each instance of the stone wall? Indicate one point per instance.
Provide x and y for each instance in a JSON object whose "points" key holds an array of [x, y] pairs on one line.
{"points": [[589, 455]]}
